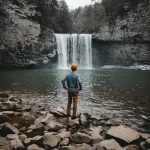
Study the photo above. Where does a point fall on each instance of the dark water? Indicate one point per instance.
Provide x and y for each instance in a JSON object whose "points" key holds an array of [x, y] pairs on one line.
{"points": [[106, 92]]}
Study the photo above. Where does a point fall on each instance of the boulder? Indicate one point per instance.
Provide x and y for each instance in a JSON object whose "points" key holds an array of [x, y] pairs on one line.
{"points": [[64, 142], [83, 146], [108, 145], [12, 136], [8, 129], [53, 126], [83, 120], [65, 134], [114, 121], [37, 139], [3, 118], [4, 95], [133, 147], [81, 138], [34, 147], [16, 144], [4, 144], [123, 133], [96, 137], [50, 140], [72, 122]]}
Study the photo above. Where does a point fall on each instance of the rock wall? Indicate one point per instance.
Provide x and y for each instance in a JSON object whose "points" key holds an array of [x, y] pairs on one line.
{"points": [[23, 42], [128, 40]]}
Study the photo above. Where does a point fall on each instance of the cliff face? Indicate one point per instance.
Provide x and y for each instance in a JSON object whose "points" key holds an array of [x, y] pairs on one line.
{"points": [[128, 38], [23, 42]]}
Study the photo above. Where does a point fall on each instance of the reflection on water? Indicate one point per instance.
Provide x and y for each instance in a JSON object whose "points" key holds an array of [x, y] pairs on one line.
{"points": [[108, 92]]}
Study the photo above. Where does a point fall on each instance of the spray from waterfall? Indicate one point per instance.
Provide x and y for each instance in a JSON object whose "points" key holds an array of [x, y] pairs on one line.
{"points": [[74, 48]]}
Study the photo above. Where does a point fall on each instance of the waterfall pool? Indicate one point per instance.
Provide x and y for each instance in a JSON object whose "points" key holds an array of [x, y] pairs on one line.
{"points": [[112, 92]]}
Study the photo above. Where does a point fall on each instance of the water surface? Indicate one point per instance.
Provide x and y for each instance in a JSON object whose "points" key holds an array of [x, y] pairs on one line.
{"points": [[110, 92]]}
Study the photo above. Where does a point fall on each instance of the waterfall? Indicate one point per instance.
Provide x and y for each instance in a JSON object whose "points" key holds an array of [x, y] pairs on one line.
{"points": [[74, 48]]}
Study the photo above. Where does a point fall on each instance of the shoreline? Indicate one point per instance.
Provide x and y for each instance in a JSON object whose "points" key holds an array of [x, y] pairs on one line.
{"points": [[22, 127]]}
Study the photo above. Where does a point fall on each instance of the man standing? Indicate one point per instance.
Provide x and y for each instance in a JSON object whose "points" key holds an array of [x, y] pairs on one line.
{"points": [[73, 85]]}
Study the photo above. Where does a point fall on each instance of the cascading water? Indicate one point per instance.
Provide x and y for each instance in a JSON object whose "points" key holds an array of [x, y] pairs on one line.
{"points": [[74, 48]]}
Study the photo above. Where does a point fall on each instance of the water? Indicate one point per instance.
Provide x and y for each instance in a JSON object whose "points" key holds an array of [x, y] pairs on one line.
{"points": [[111, 92], [74, 48]]}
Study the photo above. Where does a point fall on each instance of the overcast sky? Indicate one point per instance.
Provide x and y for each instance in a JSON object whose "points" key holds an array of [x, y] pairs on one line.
{"points": [[72, 4]]}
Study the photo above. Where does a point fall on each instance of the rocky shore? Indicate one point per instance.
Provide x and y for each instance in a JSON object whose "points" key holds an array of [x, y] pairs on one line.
{"points": [[23, 128]]}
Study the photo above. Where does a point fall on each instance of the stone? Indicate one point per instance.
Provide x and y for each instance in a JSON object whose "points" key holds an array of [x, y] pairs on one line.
{"points": [[34, 147], [64, 142], [12, 136], [3, 118], [8, 113], [50, 140], [72, 122], [133, 147], [61, 110], [97, 129], [37, 139], [53, 126], [27, 141], [70, 147], [4, 95], [124, 133], [65, 134], [36, 126], [8, 129], [83, 146], [28, 118], [96, 137], [81, 138], [16, 144], [147, 143], [25, 107], [108, 145], [15, 99], [8, 106], [114, 121], [4, 144], [83, 120], [22, 137], [144, 135]]}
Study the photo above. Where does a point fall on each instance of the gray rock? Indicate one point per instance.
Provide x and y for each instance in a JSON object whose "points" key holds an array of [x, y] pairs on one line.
{"points": [[81, 138], [114, 121], [64, 142], [124, 133], [108, 145], [83, 120], [3, 118], [34, 147], [8, 129], [4, 144], [16, 144], [64, 134], [50, 140], [36, 126], [133, 147], [72, 122], [4, 95], [53, 126]]}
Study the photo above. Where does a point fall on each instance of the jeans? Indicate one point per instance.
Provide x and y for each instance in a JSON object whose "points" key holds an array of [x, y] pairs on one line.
{"points": [[72, 95]]}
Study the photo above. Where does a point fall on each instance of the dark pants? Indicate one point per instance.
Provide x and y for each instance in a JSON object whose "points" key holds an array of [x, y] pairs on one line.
{"points": [[72, 95]]}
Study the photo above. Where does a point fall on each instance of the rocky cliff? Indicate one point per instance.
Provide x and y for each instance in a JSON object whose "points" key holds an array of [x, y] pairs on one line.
{"points": [[23, 41], [128, 39]]}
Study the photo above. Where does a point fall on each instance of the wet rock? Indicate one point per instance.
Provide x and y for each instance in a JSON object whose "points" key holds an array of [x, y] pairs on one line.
{"points": [[53, 126], [147, 143], [28, 118], [108, 145], [8, 105], [25, 107], [114, 121], [16, 144], [65, 134], [7, 128], [34, 147], [3, 118], [4, 95], [4, 144], [50, 140], [83, 120], [48, 118], [72, 122], [64, 142], [133, 147], [81, 138], [12, 136], [123, 133]]}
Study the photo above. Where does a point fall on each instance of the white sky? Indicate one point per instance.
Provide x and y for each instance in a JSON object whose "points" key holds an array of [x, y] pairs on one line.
{"points": [[72, 4]]}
